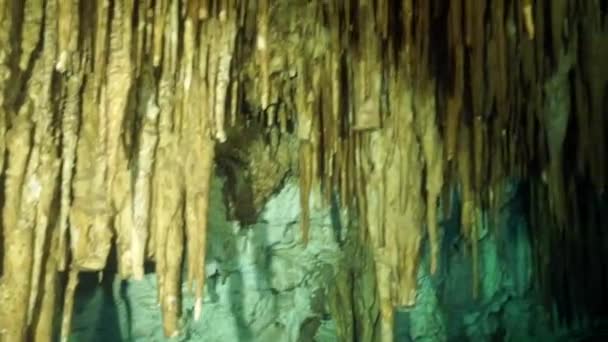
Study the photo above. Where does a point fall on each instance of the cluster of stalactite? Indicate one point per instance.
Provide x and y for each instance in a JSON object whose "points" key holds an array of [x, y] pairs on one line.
{"points": [[110, 113]]}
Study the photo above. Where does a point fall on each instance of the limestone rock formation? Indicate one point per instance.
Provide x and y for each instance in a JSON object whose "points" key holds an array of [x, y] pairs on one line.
{"points": [[115, 113]]}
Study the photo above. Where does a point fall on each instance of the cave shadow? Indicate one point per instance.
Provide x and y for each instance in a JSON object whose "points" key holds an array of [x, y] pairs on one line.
{"points": [[264, 279], [111, 297], [226, 273], [236, 292], [242, 208], [235, 298], [99, 295], [336, 219], [255, 237]]}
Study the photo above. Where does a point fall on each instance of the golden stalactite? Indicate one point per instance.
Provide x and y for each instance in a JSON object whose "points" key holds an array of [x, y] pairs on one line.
{"points": [[44, 324], [16, 255], [263, 54], [528, 13], [165, 203], [68, 304], [148, 140], [432, 147], [304, 108], [28, 175], [167, 198], [224, 46], [67, 40], [199, 169], [69, 127], [113, 113], [88, 214], [118, 85], [160, 10], [5, 51], [31, 30]]}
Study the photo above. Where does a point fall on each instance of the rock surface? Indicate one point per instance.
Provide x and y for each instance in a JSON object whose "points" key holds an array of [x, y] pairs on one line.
{"points": [[263, 285]]}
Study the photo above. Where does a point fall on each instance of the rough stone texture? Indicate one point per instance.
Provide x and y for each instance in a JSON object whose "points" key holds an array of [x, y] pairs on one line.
{"points": [[507, 308], [262, 285]]}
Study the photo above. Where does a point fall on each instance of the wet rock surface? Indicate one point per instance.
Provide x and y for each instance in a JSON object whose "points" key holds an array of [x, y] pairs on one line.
{"points": [[262, 284]]}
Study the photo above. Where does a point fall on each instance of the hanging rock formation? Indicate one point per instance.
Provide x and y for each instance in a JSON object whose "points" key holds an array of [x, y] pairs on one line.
{"points": [[113, 113]]}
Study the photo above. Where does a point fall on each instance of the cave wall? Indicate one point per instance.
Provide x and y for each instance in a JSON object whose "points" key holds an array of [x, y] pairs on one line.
{"points": [[264, 286]]}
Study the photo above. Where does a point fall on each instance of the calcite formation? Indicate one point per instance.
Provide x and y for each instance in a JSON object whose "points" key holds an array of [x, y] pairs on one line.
{"points": [[113, 113]]}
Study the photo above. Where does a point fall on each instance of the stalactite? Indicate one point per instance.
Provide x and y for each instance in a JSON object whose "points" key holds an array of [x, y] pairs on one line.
{"points": [[224, 56], [17, 240], [5, 53], [235, 102], [373, 188], [316, 138], [117, 179], [528, 14], [111, 113], [333, 145], [394, 216], [189, 39], [48, 175], [141, 34], [202, 200], [67, 40], [433, 154], [101, 46], [367, 75], [68, 304], [32, 175], [160, 9], [167, 205], [198, 170], [171, 299], [160, 179], [142, 192], [555, 121], [69, 129], [411, 211], [31, 30], [44, 324], [305, 123], [189, 131], [465, 174], [325, 150], [211, 73], [89, 232], [263, 54]]}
